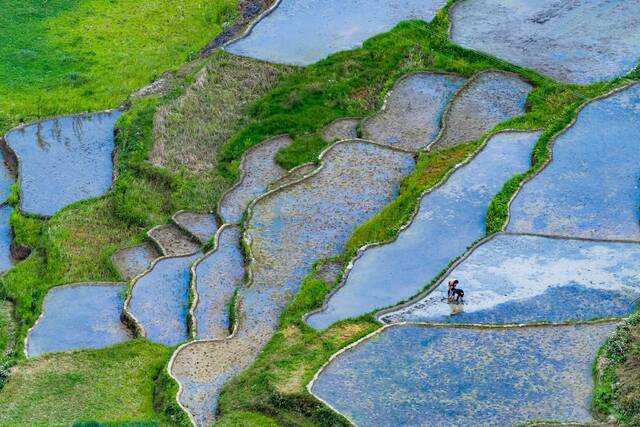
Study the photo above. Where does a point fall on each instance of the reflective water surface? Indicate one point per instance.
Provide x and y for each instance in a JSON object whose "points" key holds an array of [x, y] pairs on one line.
{"points": [[591, 187], [524, 279], [415, 375], [218, 275], [450, 218], [302, 32], [413, 111], [288, 231], [576, 41], [64, 160], [78, 317], [160, 300]]}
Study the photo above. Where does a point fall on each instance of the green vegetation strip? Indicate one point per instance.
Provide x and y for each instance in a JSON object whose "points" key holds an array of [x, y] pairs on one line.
{"points": [[76, 244], [68, 56], [55, 389], [617, 375], [348, 84]]}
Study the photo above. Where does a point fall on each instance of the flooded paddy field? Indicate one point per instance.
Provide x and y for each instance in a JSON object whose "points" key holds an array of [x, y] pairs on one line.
{"points": [[217, 276], [160, 300], [590, 189], [450, 218], [413, 110], [485, 100], [573, 41], [302, 32], [78, 317], [201, 226], [527, 279], [417, 375], [64, 160], [258, 169], [287, 231], [293, 175], [6, 237]]}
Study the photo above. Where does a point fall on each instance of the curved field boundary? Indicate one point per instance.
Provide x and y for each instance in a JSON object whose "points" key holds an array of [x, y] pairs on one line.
{"points": [[442, 121], [433, 285], [332, 122], [463, 88], [379, 316], [431, 325], [182, 228], [552, 142], [241, 167], [248, 271], [249, 212], [252, 25], [161, 248], [169, 368], [360, 252], [127, 317], [193, 283], [70, 285], [291, 175], [15, 162]]}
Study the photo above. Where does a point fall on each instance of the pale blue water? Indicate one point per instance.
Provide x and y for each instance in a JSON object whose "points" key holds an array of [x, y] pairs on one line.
{"points": [[289, 230], [413, 375], [160, 300], [450, 219], [302, 32], [576, 41], [413, 110], [79, 317], [525, 279], [591, 187], [6, 180], [218, 276], [64, 160], [6, 236]]}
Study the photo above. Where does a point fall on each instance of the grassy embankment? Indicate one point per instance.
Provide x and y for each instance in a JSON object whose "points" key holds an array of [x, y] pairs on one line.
{"points": [[76, 244], [617, 375], [67, 56], [275, 384]]}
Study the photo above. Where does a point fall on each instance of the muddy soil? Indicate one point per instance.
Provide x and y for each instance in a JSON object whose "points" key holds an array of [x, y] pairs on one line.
{"points": [[341, 129], [258, 169], [173, 241], [412, 114], [486, 100], [135, 260]]}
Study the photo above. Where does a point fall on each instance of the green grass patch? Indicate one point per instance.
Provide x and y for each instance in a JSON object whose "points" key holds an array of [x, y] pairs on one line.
{"points": [[214, 120], [353, 84], [109, 385], [7, 329], [164, 397], [67, 56], [430, 170], [246, 419], [617, 375], [275, 384]]}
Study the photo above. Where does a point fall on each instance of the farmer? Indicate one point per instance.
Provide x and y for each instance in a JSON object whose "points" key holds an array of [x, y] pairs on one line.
{"points": [[451, 293]]}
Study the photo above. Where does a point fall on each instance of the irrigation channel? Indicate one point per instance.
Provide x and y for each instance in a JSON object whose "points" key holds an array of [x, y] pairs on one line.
{"points": [[542, 295]]}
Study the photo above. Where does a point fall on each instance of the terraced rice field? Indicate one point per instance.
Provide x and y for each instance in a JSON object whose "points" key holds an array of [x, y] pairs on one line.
{"points": [[265, 234]]}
